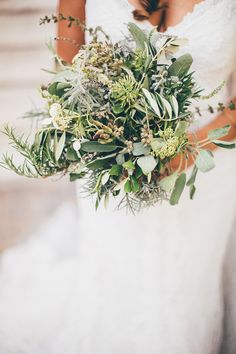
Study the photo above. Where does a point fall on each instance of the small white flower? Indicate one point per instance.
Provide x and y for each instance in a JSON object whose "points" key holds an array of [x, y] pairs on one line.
{"points": [[55, 110], [77, 145]]}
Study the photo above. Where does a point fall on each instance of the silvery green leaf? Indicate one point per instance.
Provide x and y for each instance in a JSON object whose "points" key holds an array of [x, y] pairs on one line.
{"points": [[154, 37], [146, 83], [166, 105], [181, 128], [76, 145], [178, 189], [140, 149], [152, 101], [219, 132], [140, 108], [60, 146], [157, 144], [175, 105], [94, 146], [147, 164], [193, 176], [224, 144], [120, 159], [181, 66], [65, 75], [180, 41], [77, 167], [105, 178], [192, 191], [205, 161], [138, 35], [167, 183]]}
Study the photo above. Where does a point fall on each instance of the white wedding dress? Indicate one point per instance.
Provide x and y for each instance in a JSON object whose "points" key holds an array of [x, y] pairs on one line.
{"points": [[159, 282]]}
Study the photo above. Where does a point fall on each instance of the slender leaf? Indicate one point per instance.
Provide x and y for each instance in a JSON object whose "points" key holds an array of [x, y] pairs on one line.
{"points": [[60, 146], [178, 189], [138, 35], [181, 66], [94, 146], [224, 144]]}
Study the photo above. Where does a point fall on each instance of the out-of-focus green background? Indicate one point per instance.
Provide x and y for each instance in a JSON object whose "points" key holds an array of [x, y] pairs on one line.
{"points": [[24, 203]]}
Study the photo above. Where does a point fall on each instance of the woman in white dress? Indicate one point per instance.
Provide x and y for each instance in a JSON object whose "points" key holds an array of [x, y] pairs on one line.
{"points": [[155, 283]]}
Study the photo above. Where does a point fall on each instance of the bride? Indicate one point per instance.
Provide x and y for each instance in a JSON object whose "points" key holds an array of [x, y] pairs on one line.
{"points": [[160, 282]]}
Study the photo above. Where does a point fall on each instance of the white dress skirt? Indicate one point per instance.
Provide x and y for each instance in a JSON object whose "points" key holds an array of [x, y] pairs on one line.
{"points": [[159, 282]]}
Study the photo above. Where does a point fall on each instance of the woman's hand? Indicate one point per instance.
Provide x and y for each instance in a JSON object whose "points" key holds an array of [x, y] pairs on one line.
{"points": [[226, 117]]}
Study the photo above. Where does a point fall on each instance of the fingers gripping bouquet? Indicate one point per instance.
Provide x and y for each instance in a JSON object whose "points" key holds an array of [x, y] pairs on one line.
{"points": [[116, 118]]}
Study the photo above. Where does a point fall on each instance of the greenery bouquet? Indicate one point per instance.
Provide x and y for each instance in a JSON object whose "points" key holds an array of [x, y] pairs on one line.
{"points": [[117, 117]]}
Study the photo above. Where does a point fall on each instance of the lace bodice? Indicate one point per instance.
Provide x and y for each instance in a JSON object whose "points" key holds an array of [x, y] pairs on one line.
{"points": [[210, 28]]}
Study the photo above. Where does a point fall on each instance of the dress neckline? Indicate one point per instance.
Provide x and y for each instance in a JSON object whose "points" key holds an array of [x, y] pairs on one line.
{"points": [[188, 16]]}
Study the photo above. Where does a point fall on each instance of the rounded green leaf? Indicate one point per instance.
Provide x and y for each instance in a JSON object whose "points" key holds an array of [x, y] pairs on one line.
{"points": [[147, 164], [205, 161]]}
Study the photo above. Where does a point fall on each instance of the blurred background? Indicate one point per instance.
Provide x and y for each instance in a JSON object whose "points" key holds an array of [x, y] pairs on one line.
{"points": [[25, 204]]}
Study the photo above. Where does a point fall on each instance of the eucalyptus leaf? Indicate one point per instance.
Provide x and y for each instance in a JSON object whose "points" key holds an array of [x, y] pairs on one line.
{"points": [[178, 189], [152, 101], [167, 183], [192, 177], [120, 159], [157, 144], [140, 149], [94, 146], [147, 164], [138, 35], [192, 191], [204, 161], [105, 178], [166, 105], [99, 163], [224, 144], [175, 105], [219, 132], [181, 128], [60, 146], [181, 66]]}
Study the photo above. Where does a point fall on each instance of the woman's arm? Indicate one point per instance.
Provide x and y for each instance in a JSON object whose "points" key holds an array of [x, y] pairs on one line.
{"points": [[227, 117], [74, 8]]}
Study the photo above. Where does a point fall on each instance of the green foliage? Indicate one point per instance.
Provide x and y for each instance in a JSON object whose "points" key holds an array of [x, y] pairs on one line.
{"points": [[117, 117]]}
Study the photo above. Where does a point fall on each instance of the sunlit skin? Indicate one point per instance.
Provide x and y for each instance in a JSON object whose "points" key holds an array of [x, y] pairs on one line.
{"points": [[177, 9]]}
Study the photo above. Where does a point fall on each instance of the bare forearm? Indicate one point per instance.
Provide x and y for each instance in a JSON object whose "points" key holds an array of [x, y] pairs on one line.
{"points": [[74, 8]]}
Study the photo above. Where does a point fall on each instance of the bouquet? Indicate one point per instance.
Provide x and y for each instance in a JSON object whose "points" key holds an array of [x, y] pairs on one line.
{"points": [[117, 117]]}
